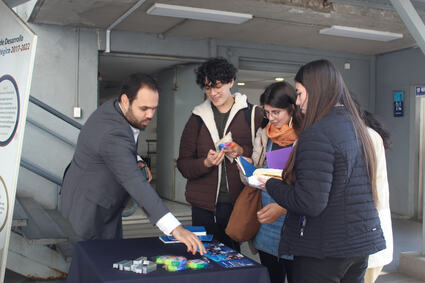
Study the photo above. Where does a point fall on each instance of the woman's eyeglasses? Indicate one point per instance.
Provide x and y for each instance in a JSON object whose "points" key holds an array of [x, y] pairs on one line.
{"points": [[273, 113]]}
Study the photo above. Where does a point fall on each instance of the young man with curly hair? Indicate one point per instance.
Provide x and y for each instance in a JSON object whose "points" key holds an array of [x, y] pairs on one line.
{"points": [[213, 181]]}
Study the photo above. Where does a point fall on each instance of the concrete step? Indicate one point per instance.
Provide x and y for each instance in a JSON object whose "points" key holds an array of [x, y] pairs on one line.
{"points": [[35, 261], [41, 229], [139, 226], [20, 217], [65, 248]]}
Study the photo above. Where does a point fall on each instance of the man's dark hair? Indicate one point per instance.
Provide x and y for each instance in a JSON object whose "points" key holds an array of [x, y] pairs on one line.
{"points": [[213, 71], [134, 82]]}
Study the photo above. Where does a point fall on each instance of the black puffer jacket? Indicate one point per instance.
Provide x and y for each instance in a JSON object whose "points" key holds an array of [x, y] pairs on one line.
{"points": [[332, 192]]}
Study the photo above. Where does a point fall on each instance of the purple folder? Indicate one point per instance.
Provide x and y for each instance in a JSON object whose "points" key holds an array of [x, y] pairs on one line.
{"points": [[276, 159]]}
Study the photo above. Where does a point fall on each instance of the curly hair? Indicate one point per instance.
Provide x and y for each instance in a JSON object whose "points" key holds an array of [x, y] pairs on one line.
{"points": [[215, 70]]}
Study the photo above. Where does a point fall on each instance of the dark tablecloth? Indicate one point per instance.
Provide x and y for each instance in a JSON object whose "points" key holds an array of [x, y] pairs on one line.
{"points": [[92, 262]]}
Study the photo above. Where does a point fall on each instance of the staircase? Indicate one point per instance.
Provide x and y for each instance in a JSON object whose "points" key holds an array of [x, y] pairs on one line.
{"points": [[41, 241]]}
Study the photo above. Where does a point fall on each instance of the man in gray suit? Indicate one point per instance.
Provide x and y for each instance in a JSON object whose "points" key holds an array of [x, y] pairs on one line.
{"points": [[104, 170]]}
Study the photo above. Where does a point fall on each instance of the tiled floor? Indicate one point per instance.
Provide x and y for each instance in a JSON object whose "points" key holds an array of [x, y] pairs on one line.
{"points": [[407, 237]]}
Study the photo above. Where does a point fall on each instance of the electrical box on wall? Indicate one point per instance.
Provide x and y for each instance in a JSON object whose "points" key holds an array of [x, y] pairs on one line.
{"points": [[398, 103], [77, 112]]}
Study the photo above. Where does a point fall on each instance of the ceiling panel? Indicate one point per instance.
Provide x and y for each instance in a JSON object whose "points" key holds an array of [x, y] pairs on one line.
{"points": [[282, 22], [116, 67]]}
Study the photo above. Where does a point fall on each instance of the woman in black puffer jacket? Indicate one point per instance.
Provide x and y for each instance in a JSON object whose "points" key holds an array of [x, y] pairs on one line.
{"points": [[332, 224]]}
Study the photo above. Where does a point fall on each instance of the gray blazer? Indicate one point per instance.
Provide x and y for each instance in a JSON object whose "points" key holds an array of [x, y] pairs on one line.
{"points": [[102, 175]]}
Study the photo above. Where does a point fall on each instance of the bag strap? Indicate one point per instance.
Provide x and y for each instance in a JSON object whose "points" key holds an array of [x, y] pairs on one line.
{"points": [[253, 124]]}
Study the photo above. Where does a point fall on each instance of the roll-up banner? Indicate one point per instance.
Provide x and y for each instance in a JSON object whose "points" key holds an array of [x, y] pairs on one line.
{"points": [[17, 52]]}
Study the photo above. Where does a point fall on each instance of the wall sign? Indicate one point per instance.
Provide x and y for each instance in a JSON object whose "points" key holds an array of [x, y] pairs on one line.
{"points": [[420, 90], [398, 103]]}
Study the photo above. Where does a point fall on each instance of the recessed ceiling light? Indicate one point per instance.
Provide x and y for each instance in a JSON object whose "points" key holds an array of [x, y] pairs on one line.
{"points": [[279, 79], [241, 83], [201, 14], [361, 33]]}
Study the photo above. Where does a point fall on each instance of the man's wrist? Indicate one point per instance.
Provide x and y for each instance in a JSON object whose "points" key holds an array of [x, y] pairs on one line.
{"points": [[175, 230], [168, 223]]}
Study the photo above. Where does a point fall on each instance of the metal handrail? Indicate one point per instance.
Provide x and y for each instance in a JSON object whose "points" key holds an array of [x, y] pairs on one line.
{"points": [[41, 127], [53, 111], [41, 172]]}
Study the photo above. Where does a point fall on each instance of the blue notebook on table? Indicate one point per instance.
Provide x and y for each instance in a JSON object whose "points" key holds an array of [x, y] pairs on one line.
{"points": [[199, 231]]}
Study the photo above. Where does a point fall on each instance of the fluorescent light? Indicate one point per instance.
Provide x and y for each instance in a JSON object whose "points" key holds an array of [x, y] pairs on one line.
{"points": [[185, 12], [279, 79], [241, 83], [368, 34]]}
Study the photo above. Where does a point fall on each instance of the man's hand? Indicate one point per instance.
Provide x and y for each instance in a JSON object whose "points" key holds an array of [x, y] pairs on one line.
{"points": [[233, 151], [270, 213], [148, 171], [189, 239], [214, 158]]}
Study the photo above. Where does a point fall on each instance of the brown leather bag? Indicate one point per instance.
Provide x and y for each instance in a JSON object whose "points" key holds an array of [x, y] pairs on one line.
{"points": [[243, 224]]}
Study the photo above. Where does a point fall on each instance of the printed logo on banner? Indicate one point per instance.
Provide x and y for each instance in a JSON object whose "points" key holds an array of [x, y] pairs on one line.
{"points": [[9, 109], [4, 204]]}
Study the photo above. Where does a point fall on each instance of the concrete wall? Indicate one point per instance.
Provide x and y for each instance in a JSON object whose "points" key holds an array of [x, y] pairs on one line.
{"points": [[65, 75], [401, 71], [187, 95], [179, 94], [65, 70], [166, 134]]}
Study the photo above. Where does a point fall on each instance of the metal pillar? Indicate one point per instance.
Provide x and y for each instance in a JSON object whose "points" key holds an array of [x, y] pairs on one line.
{"points": [[412, 21], [119, 20]]}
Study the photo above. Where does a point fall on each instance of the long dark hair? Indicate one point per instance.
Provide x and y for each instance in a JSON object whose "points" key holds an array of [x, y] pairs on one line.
{"points": [[372, 122], [282, 95], [326, 88]]}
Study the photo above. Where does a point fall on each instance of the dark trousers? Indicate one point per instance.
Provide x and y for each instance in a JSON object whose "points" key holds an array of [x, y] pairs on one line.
{"points": [[329, 270], [215, 224], [278, 268]]}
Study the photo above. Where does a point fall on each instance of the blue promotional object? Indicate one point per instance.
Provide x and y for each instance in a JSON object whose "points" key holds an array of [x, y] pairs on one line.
{"points": [[246, 167]]}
